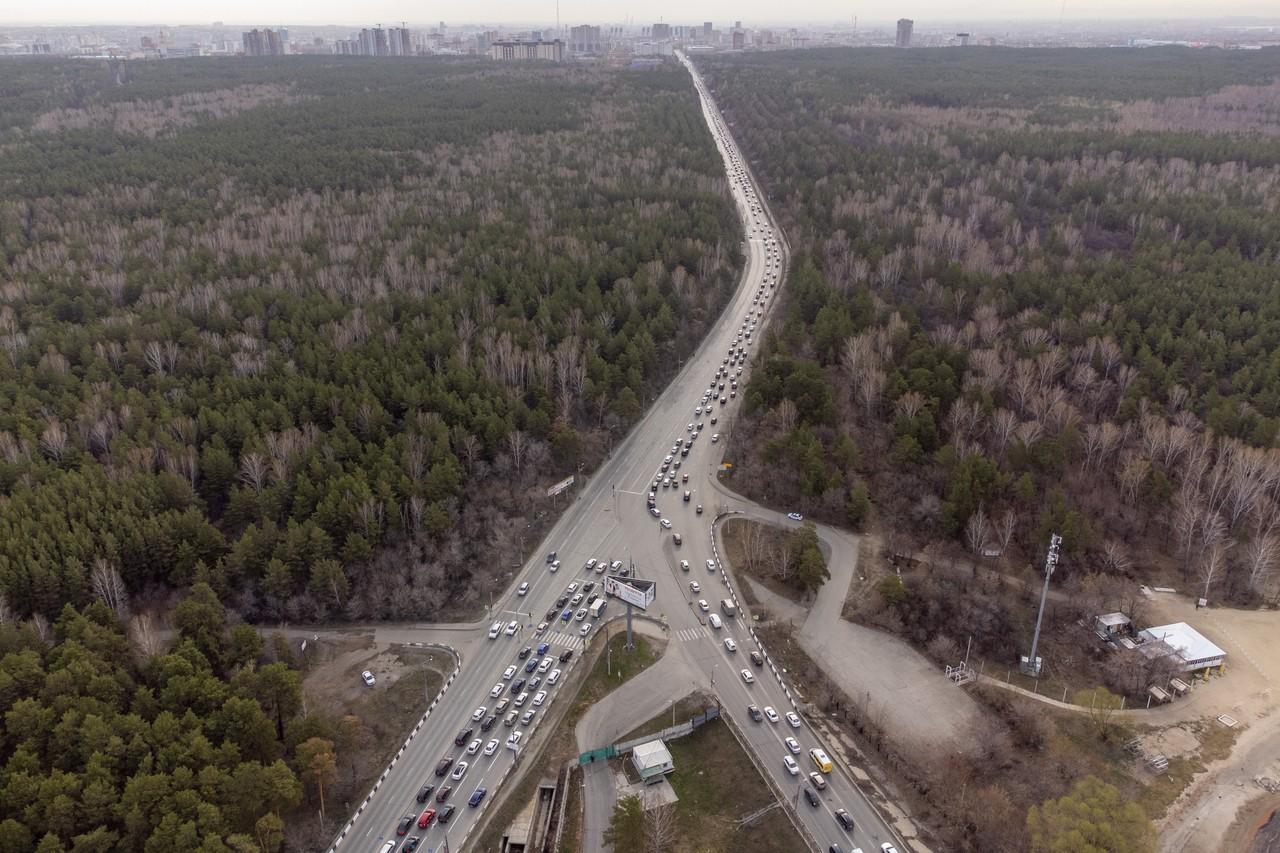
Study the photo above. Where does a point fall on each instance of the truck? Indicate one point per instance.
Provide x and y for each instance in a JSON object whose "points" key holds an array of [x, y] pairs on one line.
{"points": [[597, 607], [730, 609]]}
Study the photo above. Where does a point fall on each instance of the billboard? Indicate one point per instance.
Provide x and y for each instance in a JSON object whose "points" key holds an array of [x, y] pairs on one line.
{"points": [[560, 487], [637, 593]]}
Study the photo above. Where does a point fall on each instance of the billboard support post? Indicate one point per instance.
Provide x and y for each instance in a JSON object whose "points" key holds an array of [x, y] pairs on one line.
{"points": [[630, 641]]}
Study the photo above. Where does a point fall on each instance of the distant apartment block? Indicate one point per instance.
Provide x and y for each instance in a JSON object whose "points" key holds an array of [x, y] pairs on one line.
{"points": [[585, 41], [660, 32], [905, 26], [263, 43], [520, 51], [395, 41]]}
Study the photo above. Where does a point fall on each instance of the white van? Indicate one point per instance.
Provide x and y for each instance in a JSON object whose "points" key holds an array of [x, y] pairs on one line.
{"points": [[715, 621], [597, 607], [730, 609]]}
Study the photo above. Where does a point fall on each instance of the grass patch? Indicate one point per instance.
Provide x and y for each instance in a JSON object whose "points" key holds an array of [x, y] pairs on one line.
{"points": [[612, 669], [717, 785], [694, 703]]}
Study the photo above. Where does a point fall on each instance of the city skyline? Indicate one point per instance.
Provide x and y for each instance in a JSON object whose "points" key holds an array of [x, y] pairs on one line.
{"points": [[334, 12]]}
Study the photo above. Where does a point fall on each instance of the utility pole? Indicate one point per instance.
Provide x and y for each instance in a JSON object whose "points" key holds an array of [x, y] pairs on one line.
{"points": [[1031, 665]]}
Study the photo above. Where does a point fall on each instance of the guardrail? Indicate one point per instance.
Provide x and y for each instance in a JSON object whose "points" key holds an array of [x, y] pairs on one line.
{"points": [[801, 829], [457, 657]]}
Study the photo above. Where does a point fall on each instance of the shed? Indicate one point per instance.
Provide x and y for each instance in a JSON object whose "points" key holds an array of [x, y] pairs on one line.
{"points": [[652, 760], [1111, 625], [1158, 694], [1193, 649]]}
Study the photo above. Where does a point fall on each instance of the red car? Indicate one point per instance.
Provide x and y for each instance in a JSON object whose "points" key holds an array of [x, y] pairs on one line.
{"points": [[427, 816]]}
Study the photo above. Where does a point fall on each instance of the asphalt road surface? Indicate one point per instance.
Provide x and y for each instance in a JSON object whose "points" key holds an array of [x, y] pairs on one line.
{"points": [[609, 520]]}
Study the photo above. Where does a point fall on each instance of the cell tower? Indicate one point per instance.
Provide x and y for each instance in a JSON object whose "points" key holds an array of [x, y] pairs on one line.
{"points": [[1031, 665]]}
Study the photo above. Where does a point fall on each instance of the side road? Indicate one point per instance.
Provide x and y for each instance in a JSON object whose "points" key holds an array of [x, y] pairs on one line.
{"points": [[641, 699]]}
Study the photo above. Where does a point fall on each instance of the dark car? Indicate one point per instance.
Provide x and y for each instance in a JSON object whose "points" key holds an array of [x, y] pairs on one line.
{"points": [[565, 655], [411, 844], [552, 613], [525, 652], [588, 586], [516, 687], [542, 648], [835, 848], [551, 556], [755, 713], [444, 765], [567, 615], [425, 793], [811, 797], [486, 724], [757, 659], [562, 601], [845, 821], [444, 793], [476, 797], [405, 822], [531, 665], [463, 737], [446, 813]]}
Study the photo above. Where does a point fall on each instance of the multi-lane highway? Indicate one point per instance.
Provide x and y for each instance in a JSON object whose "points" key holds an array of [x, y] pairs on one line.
{"points": [[611, 519]]}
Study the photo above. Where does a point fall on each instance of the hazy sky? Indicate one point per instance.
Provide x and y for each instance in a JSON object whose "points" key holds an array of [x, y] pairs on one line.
{"points": [[750, 12]]}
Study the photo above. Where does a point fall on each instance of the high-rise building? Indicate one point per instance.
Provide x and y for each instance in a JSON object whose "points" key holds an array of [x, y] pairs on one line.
{"points": [[963, 38], [262, 43], [706, 29], [904, 32], [739, 39], [660, 32], [585, 40], [520, 51]]}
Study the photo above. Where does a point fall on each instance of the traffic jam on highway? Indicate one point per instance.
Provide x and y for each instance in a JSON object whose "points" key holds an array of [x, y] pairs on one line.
{"points": [[723, 386]]}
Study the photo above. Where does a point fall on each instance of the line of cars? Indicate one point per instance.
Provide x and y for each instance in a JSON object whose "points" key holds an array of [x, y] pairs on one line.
{"points": [[527, 696], [731, 370]]}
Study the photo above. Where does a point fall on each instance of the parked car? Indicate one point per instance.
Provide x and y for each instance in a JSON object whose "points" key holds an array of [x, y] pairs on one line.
{"points": [[368, 678], [795, 516]]}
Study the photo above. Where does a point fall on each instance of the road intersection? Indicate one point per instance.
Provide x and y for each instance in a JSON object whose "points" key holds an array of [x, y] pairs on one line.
{"points": [[609, 520]]}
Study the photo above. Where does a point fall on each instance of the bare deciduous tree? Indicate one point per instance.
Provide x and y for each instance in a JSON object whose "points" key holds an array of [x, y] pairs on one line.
{"points": [[253, 470], [109, 587], [976, 531]]}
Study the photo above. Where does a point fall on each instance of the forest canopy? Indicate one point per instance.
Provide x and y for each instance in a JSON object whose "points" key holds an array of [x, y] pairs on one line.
{"points": [[320, 332]]}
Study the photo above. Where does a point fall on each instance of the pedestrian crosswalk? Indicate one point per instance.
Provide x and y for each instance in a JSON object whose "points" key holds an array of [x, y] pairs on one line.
{"points": [[689, 635], [556, 638]]}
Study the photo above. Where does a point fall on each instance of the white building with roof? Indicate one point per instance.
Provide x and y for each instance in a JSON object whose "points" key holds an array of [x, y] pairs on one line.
{"points": [[652, 760], [1191, 647]]}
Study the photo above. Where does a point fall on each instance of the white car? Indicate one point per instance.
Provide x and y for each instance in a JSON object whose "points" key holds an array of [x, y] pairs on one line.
{"points": [[888, 848], [770, 714], [512, 627], [730, 645], [572, 588], [491, 747], [545, 665], [459, 771], [513, 742], [555, 566], [542, 628], [695, 587], [684, 567], [748, 677], [368, 678], [494, 630], [790, 763], [585, 629], [582, 611], [539, 698], [653, 510], [508, 672], [795, 516], [715, 437], [478, 714], [576, 600], [713, 619], [553, 677], [474, 747], [703, 606], [497, 690], [591, 564], [793, 719], [523, 590], [711, 566], [666, 525], [793, 745]]}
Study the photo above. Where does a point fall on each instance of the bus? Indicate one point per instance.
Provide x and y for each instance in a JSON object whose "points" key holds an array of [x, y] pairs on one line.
{"points": [[820, 760]]}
